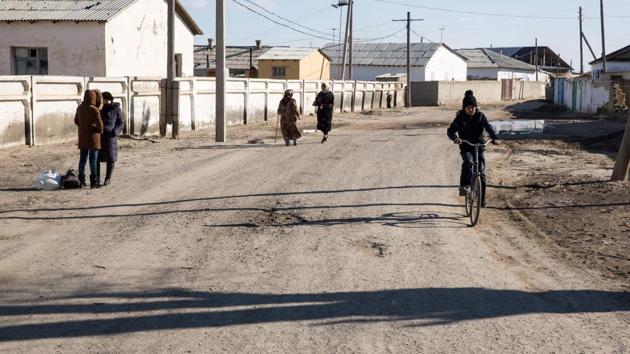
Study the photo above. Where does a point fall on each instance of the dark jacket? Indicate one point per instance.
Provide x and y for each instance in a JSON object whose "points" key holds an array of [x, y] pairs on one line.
{"points": [[88, 119], [112, 127], [470, 128], [325, 103]]}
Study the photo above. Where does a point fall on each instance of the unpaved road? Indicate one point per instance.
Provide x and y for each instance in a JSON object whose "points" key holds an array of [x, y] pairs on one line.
{"points": [[357, 245]]}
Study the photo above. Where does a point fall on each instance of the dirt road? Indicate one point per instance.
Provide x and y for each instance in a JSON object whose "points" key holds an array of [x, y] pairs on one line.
{"points": [[357, 245]]}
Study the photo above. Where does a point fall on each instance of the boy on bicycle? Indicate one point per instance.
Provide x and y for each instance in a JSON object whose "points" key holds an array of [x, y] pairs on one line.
{"points": [[469, 125]]}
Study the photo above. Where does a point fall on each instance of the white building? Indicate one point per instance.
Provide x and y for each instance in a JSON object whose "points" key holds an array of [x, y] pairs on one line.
{"points": [[617, 65], [92, 38], [429, 61], [484, 64]]}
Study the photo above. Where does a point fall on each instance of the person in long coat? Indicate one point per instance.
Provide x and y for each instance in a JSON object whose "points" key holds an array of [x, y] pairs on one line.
{"points": [[325, 103], [88, 119], [112, 127], [289, 114]]}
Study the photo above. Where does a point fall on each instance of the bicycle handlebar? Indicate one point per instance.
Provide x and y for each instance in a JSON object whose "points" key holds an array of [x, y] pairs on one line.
{"points": [[475, 145]]}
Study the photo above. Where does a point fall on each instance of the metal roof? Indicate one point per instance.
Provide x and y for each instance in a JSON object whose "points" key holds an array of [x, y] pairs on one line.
{"points": [[387, 54], [282, 53], [524, 54], [483, 58], [622, 54], [75, 10], [236, 57]]}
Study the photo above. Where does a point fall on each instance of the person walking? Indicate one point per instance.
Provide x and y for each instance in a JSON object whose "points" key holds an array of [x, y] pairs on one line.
{"points": [[289, 114], [325, 102], [88, 119], [113, 124]]}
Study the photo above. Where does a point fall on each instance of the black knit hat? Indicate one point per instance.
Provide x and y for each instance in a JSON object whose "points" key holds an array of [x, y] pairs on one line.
{"points": [[469, 100], [108, 96]]}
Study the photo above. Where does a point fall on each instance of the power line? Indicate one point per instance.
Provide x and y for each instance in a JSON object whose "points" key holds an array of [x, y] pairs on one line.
{"points": [[485, 13], [284, 18], [327, 37]]}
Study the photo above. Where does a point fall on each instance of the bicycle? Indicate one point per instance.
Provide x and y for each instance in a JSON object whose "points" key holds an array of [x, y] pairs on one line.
{"points": [[472, 201]]}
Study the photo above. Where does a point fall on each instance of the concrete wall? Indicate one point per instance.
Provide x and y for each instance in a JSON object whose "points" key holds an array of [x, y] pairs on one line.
{"points": [[446, 65], [434, 93], [502, 74], [38, 110], [611, 67], [136, 41], [315, 67], [73, 48], [585, 96]]}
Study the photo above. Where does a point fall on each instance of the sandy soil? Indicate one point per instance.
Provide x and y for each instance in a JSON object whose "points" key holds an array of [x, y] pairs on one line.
{"points": [[357, 245]]}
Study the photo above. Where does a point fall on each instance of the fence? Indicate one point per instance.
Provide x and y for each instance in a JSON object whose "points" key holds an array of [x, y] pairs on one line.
{"points": [[586, 95], [435, 93], [38, 110]]}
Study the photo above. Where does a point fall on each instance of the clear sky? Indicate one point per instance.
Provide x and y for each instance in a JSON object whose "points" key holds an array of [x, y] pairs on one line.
{"points": [[462, 30]]}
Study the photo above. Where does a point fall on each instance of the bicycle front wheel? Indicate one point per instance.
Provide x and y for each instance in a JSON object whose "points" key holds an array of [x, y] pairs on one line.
{"points": [[475, 201]]}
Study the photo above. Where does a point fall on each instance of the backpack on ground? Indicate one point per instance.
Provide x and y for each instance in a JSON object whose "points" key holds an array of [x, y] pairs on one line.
{"points": [[70, 180]]}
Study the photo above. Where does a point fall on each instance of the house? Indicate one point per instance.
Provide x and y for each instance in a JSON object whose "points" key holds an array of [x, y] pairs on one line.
{"points": [[241, 61], [104, 38], [548, 60], [617, 65], [429, 61], [294, 64], [484, 64]]}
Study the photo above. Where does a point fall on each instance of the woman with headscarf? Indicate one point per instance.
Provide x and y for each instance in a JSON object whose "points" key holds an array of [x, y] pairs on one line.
{"points": [[289, 114], [113, 124], [325, 103], [88, 119]]}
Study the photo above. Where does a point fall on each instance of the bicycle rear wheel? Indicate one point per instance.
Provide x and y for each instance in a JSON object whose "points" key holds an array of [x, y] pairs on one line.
{"points": [[475, 201]]}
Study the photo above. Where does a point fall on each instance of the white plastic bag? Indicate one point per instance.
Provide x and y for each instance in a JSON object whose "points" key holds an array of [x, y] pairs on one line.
{"points": [[47, 180]]}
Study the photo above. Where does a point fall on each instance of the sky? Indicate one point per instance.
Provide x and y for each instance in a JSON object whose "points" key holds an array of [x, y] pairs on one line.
{"points": [[373, 20]]}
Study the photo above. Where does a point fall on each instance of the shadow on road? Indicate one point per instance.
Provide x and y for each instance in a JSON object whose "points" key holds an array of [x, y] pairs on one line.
{"points": [[127, 312]]}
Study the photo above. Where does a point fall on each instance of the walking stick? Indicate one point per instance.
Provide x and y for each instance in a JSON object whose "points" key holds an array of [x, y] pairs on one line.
{"points": [[277, 125]]}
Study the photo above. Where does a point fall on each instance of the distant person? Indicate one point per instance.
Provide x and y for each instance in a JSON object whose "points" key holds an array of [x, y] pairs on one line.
{"points": [[88, 119], [325, 102], [469, 125], [289, 114], [113, 124], [389, 100]]}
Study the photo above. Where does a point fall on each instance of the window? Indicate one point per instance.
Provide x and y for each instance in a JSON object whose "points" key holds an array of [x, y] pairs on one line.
{"points": [[30, 61], [279, 71]]}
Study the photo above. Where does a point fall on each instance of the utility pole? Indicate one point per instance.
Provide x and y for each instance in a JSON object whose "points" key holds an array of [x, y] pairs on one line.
{"points": [[581, 45], [170, 112], [536, 60], [350, 39], [220, 80], [342, 72], [333, 34], [601, 7], [408, 20], [442, 29]]}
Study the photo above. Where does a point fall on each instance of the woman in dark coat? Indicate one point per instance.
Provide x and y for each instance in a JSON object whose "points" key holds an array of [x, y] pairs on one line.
{"points": [[325, 102], [289, 114], [88, 119], [112, 127]]}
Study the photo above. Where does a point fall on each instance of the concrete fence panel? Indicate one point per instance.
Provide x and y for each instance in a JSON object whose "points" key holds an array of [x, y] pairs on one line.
{"points": [[145, 105], [55, 100], [205, 98], [15, 110], [118, 87]]}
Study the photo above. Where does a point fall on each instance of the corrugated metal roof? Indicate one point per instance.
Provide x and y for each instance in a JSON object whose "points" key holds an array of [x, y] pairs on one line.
{"points": [[622, 54], [235, 57], [74, 10], [61, 10], [482, 58], [385, 54], [280, 53]]}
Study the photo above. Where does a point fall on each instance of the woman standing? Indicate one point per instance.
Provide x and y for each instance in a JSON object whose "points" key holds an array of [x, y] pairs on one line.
{"points": [[112, 128], [289, 114], [325, 102], [88, 119]]}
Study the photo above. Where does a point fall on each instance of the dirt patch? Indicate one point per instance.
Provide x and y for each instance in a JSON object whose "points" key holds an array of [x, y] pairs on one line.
{"points": [[558, 192]]}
